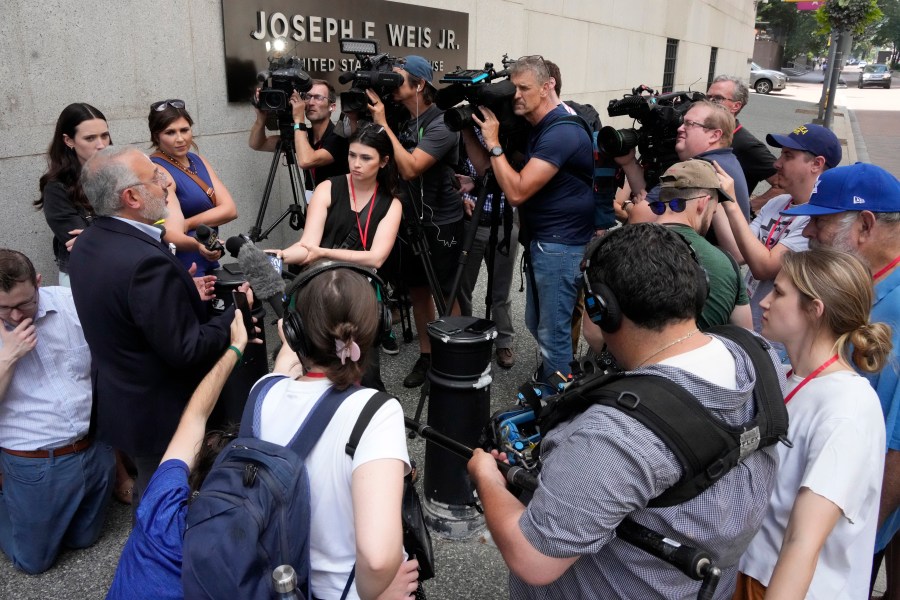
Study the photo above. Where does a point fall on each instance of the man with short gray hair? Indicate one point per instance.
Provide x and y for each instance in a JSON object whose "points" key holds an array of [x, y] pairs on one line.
{"points": [[756, 161], [149, 332]]}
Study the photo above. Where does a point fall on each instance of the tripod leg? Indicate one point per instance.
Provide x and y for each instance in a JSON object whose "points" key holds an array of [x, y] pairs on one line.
{"points": [[267, 193]]}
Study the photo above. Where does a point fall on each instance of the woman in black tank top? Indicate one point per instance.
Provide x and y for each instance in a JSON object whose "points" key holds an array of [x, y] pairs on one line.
{"points": [[354, 217]]}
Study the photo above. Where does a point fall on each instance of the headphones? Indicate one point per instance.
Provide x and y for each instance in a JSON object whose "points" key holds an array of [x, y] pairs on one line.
{"points": [[601, 304], [294, 331]]}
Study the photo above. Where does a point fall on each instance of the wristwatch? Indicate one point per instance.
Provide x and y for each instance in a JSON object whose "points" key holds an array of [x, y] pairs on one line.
{"points": [[496, 151], [299, 126]]}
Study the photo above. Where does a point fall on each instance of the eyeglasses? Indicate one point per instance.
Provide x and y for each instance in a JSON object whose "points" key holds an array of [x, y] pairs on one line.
{"points": [[316, 97], [23, 307], [719, 99], [159, 179], [162, 104], [688, 124], [677, 205]]}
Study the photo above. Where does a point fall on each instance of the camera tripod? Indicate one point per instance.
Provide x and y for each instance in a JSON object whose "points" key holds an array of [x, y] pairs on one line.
{"points": [[297, 210]]}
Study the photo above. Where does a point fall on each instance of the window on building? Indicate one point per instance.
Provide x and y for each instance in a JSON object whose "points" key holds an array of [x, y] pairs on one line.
{"points": [[713, 54], [669, 67]]}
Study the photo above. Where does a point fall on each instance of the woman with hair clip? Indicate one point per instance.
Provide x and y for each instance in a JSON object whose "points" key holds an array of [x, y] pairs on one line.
{"points": [[197, 196], [355, 501], [817, 538], [81, 131], [354, 217]]}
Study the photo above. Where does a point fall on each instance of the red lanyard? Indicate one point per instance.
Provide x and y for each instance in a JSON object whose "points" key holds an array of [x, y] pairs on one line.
{"points": [[363, 235], [315, 375], [809, 377], [775, 226], [736, 129], [884, 271]]}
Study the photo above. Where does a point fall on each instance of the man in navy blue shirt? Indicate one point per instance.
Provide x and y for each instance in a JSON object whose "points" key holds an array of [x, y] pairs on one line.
{"points": [[554, 192]]}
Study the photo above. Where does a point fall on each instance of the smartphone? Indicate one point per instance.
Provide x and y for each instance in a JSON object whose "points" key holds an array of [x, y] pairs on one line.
{"points": [[444, 327], [480, 326], [240, 301]]}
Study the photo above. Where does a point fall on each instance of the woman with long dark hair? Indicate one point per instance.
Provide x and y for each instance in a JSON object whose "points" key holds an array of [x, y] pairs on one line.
{"points": [[81, 130], [197, 196], [354, 217]]}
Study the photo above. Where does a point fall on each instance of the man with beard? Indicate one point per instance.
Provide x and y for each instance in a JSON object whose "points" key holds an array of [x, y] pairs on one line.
{"points": [[320, 150], [857, 209], [149, 333]]}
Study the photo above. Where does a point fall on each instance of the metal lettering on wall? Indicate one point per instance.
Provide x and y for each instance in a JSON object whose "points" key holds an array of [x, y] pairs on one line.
{"points": [[312, 29]]}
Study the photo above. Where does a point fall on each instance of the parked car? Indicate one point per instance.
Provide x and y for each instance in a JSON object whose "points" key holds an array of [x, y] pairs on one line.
{"points": [[766, 80], [879, 75], [861, 64], [850, 62]]}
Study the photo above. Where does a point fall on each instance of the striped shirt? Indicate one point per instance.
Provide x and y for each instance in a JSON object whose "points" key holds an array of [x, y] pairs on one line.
{"points": [[48, 401], [603, 466]]}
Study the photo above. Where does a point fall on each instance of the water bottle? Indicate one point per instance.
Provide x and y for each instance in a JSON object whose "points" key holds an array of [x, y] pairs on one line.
{"points": [[285, 580]]}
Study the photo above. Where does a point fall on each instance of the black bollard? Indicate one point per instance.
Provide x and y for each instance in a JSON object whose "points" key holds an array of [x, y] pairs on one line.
{"points": [[459, 406]]}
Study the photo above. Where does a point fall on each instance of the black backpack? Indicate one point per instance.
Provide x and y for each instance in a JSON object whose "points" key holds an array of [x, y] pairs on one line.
{"points": [[706, 447], [252, 513]]}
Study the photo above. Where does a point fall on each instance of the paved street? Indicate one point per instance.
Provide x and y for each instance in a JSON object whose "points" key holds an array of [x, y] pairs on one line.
{"points": [[473, 570]]}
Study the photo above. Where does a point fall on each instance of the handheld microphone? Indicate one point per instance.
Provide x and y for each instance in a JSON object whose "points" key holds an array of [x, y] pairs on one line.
{"points": [[209, 238], [234, 244], [265, 282]]}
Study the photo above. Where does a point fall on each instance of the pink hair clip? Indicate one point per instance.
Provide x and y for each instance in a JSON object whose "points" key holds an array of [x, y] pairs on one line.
{"points": [[345, 351]]}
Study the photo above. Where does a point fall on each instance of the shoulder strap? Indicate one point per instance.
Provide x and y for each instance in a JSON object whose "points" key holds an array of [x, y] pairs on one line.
{"points": [[771, 412], [250, 418], [315, 423], [209, 190], [375, 402]]}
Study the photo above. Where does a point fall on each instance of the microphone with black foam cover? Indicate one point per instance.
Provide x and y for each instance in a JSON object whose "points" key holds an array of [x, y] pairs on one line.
{"points": [[266, 283], [234, 244], [209, 238]]}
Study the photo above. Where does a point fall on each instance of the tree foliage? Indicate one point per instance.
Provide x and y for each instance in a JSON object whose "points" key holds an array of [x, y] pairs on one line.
{"points": [[848, 15], [797, 30]]}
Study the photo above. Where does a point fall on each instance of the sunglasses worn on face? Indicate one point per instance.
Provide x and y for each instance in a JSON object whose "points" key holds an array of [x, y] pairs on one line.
{"points": [[676, 204], [162, 104]]}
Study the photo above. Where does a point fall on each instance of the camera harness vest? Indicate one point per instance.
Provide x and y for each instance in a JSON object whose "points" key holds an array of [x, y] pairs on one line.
{"points": [[706, 447]]}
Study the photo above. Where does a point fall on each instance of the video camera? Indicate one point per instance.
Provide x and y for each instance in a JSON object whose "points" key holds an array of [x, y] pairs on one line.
{"points": [[376, 72], [481, 88], [284, 76], [660, 116]]}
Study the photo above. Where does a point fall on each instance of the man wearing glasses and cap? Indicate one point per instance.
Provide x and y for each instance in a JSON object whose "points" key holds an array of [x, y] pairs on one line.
{"points": [[426, 153], [320, 150]]}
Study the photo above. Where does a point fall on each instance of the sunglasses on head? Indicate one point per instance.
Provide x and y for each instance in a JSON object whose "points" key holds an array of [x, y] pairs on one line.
{"points": [[162, 104], [677, 205]]}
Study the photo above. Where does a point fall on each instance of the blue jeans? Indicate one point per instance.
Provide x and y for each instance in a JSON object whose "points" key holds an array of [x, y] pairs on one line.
{"points": [[47, 503], [557, 273]]}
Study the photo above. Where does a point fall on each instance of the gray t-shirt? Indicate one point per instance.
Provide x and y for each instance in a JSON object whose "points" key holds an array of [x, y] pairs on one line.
{"points": [[603, 466], [433, 193]]}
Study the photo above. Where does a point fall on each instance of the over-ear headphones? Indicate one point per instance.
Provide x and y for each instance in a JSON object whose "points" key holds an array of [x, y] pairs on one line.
{"points": [[601, 304], [294, 332]]}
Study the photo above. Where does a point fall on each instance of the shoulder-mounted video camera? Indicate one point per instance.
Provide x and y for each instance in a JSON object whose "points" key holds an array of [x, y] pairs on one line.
{"points": [[482, 87], [660, 116], [376, 72]]}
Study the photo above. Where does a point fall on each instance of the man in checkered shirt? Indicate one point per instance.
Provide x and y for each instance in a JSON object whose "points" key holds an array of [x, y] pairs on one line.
{"points": [[603, 466]]}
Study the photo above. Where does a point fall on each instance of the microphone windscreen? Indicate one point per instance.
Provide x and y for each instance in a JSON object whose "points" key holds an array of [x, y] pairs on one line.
{"points": [[203, 233], [257, 268], [346, 77], [234, 244]]}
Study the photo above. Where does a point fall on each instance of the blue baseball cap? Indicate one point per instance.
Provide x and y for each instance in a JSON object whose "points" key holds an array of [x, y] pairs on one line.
{"points": [[815, 139], [858, 187], [418, 67]]}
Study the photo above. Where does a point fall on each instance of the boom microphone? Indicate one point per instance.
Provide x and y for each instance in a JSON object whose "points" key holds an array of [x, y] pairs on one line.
{"points": [[265, 282]]}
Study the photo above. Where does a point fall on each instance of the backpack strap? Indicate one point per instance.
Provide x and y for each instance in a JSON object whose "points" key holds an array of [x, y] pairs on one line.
{"points": [[317, 420], [771, 412], [375, 402], [575, 120], [253, 406]]}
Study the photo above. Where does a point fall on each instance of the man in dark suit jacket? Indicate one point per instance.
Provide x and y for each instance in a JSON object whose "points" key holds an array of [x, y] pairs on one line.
{"points": [[148, 330]]}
